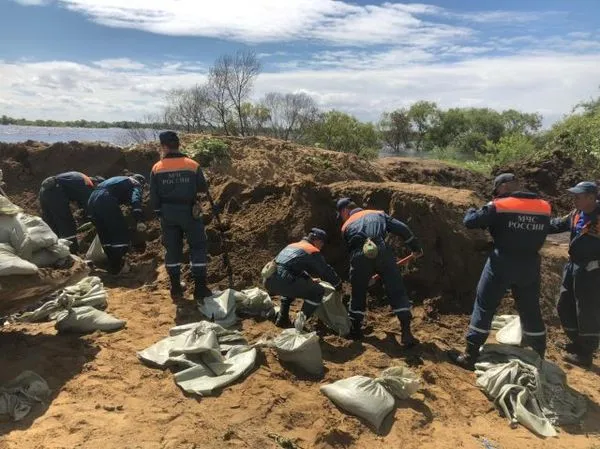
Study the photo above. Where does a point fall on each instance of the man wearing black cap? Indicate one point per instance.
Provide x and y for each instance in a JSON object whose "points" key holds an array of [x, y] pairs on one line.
{"points": [[579, 305], [57, 193], [297, 264], [175, 183], [105, 211], [519, 223], [359, 227]]}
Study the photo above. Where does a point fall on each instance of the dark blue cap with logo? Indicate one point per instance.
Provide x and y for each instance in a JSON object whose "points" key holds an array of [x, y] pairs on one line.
{"points": [[585, 187], [318, 234]]}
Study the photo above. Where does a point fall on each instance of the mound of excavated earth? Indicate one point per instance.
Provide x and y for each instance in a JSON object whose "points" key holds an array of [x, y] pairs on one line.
{"points": [[271, 193]]}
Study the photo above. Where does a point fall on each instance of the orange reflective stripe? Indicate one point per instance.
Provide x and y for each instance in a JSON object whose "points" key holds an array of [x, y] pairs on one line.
{"points": [[87, 180], [522, 206], [175, 164], [359, 215], [575, 219], [305, 246]]}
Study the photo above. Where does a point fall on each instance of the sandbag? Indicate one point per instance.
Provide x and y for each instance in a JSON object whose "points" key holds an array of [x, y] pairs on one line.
{"points": [[38, 235], [18, 396], [255, 302], [48, 257], [220, 308], [95, 252], [87, 319], [509, 329], [372, 399], [12, 231], [300, 349], [7, 207], [11, 264], [332, 311]]}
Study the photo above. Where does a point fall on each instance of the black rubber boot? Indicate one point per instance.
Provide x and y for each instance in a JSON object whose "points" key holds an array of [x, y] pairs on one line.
{"points": [[579, 359], [201, 291], [407, 338], [176, 287], [356, 332], [283, 320], [465, 360]]}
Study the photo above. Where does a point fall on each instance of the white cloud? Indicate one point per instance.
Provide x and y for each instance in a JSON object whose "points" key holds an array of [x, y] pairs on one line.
{"points": [[549, 83], [119, 64]]}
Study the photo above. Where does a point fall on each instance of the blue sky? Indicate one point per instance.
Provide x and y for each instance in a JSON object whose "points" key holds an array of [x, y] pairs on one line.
{"points": [[116, 59]]}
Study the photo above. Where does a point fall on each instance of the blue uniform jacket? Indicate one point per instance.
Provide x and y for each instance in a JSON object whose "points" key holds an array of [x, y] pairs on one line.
{"points": [[125, 190], [76, 186], [518, 222], [302, 257], [584, 246]]}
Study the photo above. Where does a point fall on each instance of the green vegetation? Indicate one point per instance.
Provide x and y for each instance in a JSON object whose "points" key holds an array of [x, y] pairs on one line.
{"points": [[208, 151]]}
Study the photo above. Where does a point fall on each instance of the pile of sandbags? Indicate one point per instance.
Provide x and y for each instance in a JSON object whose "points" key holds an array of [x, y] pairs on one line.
{"points": [[210, 357], [223, 307]]}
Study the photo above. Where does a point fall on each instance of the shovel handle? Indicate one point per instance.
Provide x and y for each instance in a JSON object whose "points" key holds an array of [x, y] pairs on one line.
{"points": [[399, 262]]}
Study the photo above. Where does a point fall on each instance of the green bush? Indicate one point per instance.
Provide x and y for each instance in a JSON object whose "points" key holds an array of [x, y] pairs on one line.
{"points": [[208, 151], [509, 148]]}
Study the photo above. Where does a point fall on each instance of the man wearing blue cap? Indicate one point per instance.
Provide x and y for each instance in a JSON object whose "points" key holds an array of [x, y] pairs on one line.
{"points": [[579, 304], [57, 193], [519, 223], [361, 227], [175, 183], [104, 207], [297, 265]]}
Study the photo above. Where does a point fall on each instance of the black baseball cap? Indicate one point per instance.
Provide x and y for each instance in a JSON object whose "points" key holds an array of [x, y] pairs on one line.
{"points": [[318, 234], [168, 138], [585, 187], [503, 179]]}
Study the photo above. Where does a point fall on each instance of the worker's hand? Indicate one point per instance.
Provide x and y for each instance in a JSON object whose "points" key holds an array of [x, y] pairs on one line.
{"points": [[316, 280], [417, 254], [339, 287], [141, 227]]}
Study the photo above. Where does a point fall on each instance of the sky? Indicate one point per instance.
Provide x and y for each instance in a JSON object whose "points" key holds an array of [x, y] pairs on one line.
{"points": [[117, 59]]}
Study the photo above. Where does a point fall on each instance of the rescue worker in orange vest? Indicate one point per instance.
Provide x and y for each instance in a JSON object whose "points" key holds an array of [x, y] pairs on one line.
{"points": [[299, 268], [175, 183], [519, 223], [57, 193], [579, 305], [360, 225]]}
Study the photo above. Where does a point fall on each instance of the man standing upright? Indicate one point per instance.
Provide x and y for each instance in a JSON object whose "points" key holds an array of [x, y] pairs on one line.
{"points": [[579, 304], [175, 183], [371, 227], [519, 223], [57, 193]]}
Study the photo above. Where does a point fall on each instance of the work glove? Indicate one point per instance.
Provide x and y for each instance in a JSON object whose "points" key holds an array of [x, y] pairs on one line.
{"points": [[316, 280], [418, 253], [141, 227]]}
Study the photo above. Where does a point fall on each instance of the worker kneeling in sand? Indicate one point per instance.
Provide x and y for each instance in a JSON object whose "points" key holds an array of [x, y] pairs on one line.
{"points": [[104, 208], [175, 183], [519, 223], [578, 305], [297, 264], [364, 232], [57, 193]]}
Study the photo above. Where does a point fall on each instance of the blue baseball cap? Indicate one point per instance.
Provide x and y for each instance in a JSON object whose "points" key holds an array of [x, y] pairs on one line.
{"points": [[585, 187], [503, 179], [318, 234], [342, 203], [139, 178]]}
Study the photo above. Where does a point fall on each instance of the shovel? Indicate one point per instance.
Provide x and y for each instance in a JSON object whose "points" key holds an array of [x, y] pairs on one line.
{"points": [[405, 261]]}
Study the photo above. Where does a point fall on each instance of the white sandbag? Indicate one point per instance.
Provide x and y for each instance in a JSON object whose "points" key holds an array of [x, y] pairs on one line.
{"points": [[39, 235], [223, 335], [48, 257], [12, 231], [95, 252], [159, 353], [300, 349], [509, 332], [7, 207], [11, 264], [18, 396], [256, 302], [332, 311], [220, 308], [201, 379], [87, 319], [372, 399]]}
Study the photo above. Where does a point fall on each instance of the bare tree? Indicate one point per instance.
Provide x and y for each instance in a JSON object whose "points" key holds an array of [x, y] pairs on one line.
{"points": [[148, 131], [231, 80], [290, 114]]}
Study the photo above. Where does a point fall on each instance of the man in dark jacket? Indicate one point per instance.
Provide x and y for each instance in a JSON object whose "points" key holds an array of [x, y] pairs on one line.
{"points": [[519, 223], [105, 212], [57, 193], [175, 183], [579, 304], [297, 265], [360, 225]]}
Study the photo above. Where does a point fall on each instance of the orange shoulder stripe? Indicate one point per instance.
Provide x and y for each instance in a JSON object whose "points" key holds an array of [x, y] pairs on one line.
{"points": [[523, 206], [305, 246], [359, 215], [175, 164], [87, 180]]}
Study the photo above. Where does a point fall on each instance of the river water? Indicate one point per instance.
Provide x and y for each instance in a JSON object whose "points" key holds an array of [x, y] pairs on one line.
{"points": [[115, 136]]}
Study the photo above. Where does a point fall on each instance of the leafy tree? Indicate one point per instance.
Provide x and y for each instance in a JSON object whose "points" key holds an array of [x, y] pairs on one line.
{"points": [[423, 115], [396, 130]]}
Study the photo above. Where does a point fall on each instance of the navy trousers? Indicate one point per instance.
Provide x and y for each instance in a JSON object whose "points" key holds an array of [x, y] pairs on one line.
{"points": [[290, 287], [56, 212]]}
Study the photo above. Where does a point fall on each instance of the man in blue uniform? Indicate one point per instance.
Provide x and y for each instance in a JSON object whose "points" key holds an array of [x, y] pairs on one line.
{"points": [[519, 223], [175, 183], [579, 305], [297, 265], [57, 193], [362, 225], [105, 212]]}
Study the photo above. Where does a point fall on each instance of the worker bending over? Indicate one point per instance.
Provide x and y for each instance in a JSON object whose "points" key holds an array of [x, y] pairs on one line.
{"points": [[175, 183], [519, 223], [579, 304], [105, 212], [57, 193], [370, 227], [297, 265]]}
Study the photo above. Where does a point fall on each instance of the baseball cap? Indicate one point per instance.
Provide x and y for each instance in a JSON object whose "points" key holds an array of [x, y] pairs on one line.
{"points": [[503, 179], [584, 187]]}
